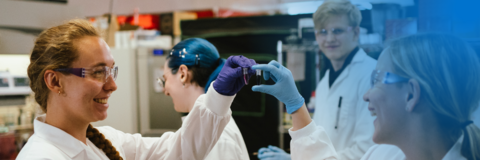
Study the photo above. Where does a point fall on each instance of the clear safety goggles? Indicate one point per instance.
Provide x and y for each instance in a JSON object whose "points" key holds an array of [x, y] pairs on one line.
{"points": [[161, 81], [100, 73], [332, 31], [385, 78]]}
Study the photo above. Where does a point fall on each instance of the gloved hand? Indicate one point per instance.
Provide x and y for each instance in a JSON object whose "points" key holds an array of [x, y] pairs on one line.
{"points": [[284, 88], [273, 153], [230, 79]]}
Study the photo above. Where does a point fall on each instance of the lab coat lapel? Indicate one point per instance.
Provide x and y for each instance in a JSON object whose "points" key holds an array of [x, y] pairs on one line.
{"points": [[326, 77], [64, 141], [455, 153], [340, 78], [359, 57]]}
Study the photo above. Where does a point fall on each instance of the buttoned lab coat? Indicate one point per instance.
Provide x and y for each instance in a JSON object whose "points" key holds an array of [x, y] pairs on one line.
{"points": [[312, 143], [230, 145], [194, 140], [353, 135]]}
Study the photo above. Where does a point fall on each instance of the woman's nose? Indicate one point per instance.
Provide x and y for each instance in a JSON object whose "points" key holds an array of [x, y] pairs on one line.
{"points": [[110, 85], [166, 92], [365, 96]]}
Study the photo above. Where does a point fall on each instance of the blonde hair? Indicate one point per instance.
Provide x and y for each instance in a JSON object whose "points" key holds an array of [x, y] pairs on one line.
{"points": [[54, 48], [337, 7], [448, 71]]}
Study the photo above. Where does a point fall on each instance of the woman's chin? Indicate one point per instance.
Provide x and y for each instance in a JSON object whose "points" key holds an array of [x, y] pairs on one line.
{"points": [[376, 139], [379, 137], [101, 116], [180, 108]]}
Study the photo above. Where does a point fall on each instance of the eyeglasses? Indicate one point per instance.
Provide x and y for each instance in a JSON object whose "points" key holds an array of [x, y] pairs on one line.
{"points": [[334, 31], [385, 78], [161, 81], [99, 74]]}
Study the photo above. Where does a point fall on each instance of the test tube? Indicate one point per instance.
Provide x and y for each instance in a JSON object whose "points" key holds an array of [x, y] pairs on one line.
{"points": [[245, 75], [259, 76]]}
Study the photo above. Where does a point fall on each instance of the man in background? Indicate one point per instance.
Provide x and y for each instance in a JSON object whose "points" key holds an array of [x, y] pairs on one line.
{"points": [[339, 107]]}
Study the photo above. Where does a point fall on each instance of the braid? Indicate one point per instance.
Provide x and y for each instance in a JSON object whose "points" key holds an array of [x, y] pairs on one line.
{"points": [[99, 140]]}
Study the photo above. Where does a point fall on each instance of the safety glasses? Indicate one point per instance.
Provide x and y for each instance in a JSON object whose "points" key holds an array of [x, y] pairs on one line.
{"points": [[161, 81], [333, 31], [100, 73], [385, 78]]}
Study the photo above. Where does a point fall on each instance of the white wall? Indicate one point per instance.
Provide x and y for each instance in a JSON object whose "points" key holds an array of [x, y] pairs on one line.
{"points": [[35, 15], [15, 42], [15, 64], [126, 7]]}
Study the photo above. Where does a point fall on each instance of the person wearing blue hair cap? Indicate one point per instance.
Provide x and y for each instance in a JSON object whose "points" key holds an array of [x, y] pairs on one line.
{"points": [[74, 79], [190, 69]]}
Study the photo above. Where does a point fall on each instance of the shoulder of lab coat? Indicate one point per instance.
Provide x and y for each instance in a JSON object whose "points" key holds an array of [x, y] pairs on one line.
{"points": [[49, 142], [357, 126], [384, 152], [391, 152], [230, 146], [39, 149], [194, 140], [311, 143]]}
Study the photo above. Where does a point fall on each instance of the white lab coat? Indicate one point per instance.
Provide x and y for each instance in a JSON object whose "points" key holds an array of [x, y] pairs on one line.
{"points": [[312, 143], [391, 152], [194, 140], [230, 145], [353, 136]]}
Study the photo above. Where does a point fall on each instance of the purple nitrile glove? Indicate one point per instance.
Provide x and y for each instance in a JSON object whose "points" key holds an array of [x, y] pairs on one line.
{"points": [[230, 79]]}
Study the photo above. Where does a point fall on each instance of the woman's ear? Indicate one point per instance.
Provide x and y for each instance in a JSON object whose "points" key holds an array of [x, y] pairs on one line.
{"points": [[413, 94], [52, 80], [183, 73]]}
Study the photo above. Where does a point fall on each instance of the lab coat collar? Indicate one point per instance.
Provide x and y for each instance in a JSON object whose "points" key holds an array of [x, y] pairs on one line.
{"points": [[61, 139], [360, 56], [455, 153]]}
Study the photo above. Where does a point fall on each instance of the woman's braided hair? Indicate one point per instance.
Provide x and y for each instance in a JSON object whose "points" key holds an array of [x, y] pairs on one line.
{"points": [[101, 142], [54, 48]]}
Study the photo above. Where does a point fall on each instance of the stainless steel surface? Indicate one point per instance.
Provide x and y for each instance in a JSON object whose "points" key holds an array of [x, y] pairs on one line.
{"points": [[157, 114]]}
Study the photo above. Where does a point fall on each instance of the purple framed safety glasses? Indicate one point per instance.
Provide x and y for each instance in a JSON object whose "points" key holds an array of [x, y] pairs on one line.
{"points": [[100, 73]]}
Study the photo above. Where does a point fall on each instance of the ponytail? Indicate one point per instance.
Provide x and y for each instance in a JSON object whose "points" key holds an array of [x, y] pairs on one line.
{"points": [[471, 142], [105, 145], [215, 73]]}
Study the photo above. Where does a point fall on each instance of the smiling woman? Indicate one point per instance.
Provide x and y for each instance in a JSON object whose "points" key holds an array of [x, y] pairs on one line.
{"points": [[58, 52], [72, 74], [427, 115], [423, 92]]}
